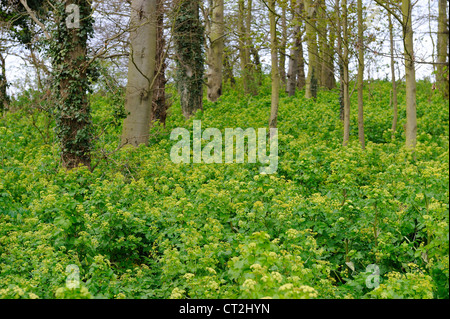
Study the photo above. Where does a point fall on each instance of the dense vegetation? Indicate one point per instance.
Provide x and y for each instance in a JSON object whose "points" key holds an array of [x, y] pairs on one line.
{"points": [[139, 226]]}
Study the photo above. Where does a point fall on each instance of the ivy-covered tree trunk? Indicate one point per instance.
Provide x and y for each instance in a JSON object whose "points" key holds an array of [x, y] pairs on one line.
{"points": [[4, 99], [159, 112], [71, 70], [141, 73], [189, 46]]}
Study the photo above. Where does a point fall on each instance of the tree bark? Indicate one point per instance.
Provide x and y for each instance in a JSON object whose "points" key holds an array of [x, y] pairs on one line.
{"points": [[346, 97], [159, 111], [215, 52], [4, 99], [141, 73], [294, 55], [442, 67], [283, 44], [311, 39], [362, 139], [275, 70], [410, 73], [340, 54], [73, 118], [394, 81], [189, 41]]}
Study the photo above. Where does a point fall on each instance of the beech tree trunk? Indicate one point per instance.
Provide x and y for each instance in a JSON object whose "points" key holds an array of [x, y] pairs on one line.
{"points": [[141, 72], [275, 70], [410, 73], [215, 52]]}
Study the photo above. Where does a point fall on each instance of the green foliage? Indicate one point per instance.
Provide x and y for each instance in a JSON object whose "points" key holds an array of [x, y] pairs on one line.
{"points": [[139, 226]]}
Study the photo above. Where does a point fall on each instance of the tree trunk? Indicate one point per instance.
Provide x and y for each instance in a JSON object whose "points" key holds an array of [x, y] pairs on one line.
{"points": [[346, 97], [442, 67], [328, 80], [70, 64], [4, 99], [301, 78], [189, 41], [311, 39], [362, 139], [159, 111], [244, 50], [215, 52], [283, 44], [410, 73], [141, 72], [294, 55], [394, 81], [340, 59], [275, 70], [228, 69], [321, 25]]}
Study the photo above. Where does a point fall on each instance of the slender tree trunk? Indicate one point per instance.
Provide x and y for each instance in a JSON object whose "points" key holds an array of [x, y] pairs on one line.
{"points": [[340, 58], [159, 112], [328, 80], [70, 64], [141, 73], [257, 69], [442, 67], [283, 44], [294, 55], [410, 73], [4, 98], [228, 69], [311, 39], [394, 82], [189, 42], [275, 70], [321, 25], [362, 139], [250, 50], [215, 52], [346, 75], [301, 78], [243, 50]]}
